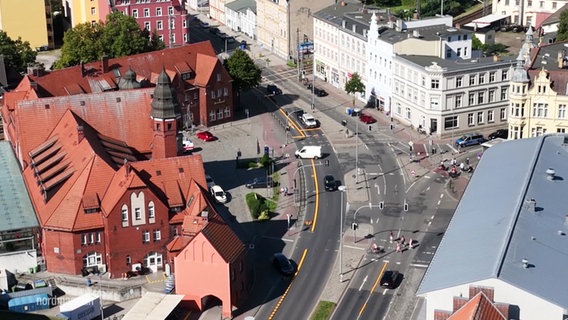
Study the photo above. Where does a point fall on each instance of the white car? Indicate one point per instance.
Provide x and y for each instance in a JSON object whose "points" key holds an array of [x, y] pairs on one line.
{"points": [[218, 193], [187, 145], [210, 181], [309, 120]]}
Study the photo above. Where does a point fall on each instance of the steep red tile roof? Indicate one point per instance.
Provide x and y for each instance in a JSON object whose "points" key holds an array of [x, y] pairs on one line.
{"points": [[73, 80], [205, 68], [478, 308], [178, 243], [223, 238], [122, 115]]}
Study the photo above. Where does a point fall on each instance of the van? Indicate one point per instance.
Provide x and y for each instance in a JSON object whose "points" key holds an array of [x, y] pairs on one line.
{"points": [[309, 152], [469, 139]]}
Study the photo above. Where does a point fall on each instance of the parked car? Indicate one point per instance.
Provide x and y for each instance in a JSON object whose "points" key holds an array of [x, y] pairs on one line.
{"points": [[210, 181], [367, 119], [187, 145], [283, 264], [205, 136], [389, 279], [218, 193], [469, 139], [273, 89], [320, 92], [330, 183], [501, 133], [260, 182]]}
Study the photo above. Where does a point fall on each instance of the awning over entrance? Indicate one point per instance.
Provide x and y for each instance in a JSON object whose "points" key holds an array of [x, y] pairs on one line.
{"points": [[153, 305]]}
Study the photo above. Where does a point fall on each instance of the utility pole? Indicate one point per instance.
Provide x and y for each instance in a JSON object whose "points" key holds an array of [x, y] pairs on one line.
{"points": [[170, 33], [298, 54]]}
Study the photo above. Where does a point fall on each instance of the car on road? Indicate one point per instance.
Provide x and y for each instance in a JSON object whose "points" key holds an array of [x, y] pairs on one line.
{"points": [[367, 119], [320, 92], [187, 145], [389, 279], [210, 181], [309, 120], [501, 133], [273, 89], [205, 136], [204, 25], [283, 264], [330, 183], [219, 194], [470, 139], [261, 182]]}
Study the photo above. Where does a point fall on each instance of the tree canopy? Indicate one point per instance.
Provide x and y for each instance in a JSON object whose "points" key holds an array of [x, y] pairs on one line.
{"points": [[354, 84], [241, 67], [119, 36], [17, 53], [563, 27]]}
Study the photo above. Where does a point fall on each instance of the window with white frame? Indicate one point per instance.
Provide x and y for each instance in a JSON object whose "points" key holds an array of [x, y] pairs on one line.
{"points": [[471, 80], [98, 239], [490, 116], [492, 95], [459, 82], [481, 78], [92, 259], [471, 98], [470, 119], [538, 131], [480, 117], [220, 114], [83, 239], [561, 111], [157, 235], [458, 101], [184, 23], [561, 130], [147, 25], [146, 236], [504, 74], [146, 12], [185, 38], [128, 260], [492, 76], [212, 115], [227, 112], [450, 122], [93, 10], [503, 114], [408, 113], [171, 11], [91, 238], [435, 84], [151, 210], [135, 13], [225, 92], [159, 25], [172, 24], [504, 93], [480, 97], [540, 110], [159, 12], [137, 214]]}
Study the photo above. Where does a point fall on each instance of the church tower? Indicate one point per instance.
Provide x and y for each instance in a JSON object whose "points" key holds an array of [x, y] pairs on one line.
{"points": [[166, 120]]}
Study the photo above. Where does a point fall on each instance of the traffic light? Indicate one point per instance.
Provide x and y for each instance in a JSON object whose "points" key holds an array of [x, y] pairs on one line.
{"points": [[381, 205]]}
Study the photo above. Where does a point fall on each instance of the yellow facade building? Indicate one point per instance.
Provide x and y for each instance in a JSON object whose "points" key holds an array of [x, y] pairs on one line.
{"points": [[539, 92], [82, 11], [30, 21]]}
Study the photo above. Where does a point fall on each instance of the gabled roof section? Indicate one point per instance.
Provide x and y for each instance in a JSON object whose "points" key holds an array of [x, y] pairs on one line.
{"points": [[478, 308], [223, 238], [93, 78], [67, 176], [498, 232], [545, 57], [124, 178], [129, 111], [205, 69]]}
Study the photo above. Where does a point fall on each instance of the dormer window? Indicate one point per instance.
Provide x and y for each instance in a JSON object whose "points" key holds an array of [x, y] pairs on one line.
{"points": [[186, 75]]}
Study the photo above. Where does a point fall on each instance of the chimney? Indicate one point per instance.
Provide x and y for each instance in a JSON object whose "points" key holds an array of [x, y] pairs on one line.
{"points": [[531, 205], [205, 215], [127, 168], [33, 85], [82, 69], [398, 25], [561, 54], [525, 263], [354, 28], [80, 133], [343, 23], [416, 33], [105, 63], [496, 58]]}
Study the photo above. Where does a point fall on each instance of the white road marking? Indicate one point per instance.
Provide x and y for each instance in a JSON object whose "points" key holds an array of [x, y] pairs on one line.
{"points": [[362, 284], [441, 196]]}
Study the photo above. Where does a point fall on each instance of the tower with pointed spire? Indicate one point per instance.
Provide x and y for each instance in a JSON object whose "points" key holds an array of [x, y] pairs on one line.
{"points": [[166, 120]]}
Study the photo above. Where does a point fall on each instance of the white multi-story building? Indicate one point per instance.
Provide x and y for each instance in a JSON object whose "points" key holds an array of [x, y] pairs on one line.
{"points": [[425, 37], [450, 97], [525, 12], [240, 16]]}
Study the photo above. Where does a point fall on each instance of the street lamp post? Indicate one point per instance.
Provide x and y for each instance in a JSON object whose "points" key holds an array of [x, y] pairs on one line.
{"points": [[342, 189], [356, 147]]}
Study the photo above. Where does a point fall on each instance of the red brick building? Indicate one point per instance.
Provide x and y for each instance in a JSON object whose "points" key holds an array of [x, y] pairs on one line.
{"points": [[103, 163], [167, 18]]}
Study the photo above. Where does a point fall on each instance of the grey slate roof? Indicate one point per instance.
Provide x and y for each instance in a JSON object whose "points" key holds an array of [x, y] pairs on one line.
{"points": [[430, 33], [242, 5], [555, 17], [351, 13], [16, 210], [456, 65], [493, 229]]}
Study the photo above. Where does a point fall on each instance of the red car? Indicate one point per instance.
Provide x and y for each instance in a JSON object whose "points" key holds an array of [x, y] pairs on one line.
{"points": [[367, 119], [205, 136]]}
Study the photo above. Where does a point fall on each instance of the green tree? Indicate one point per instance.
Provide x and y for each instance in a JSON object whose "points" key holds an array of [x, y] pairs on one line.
{"points": [[354, 85], [245, 73], [119, 36], [476, 44], [563, 27], [17, 53]]}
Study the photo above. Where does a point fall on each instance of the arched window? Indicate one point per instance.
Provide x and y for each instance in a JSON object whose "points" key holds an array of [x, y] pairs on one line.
{"points": [[124, 215], [92, 259], [151, 211]]}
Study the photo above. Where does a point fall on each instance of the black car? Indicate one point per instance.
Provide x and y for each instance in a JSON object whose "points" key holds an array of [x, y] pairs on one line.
{"points": [[283, 264], [260, 182], [330, 183], [320, 92], [273, 89], [389, 279], [501, 133]]}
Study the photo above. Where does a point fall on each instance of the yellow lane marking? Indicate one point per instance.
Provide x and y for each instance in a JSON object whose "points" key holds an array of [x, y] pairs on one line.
{"points": [[273, 313], [316, 207], [372, 289], [292, 123]]}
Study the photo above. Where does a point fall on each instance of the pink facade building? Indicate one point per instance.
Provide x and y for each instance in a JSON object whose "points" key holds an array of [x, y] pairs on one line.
{"points": [[167, 18]]}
